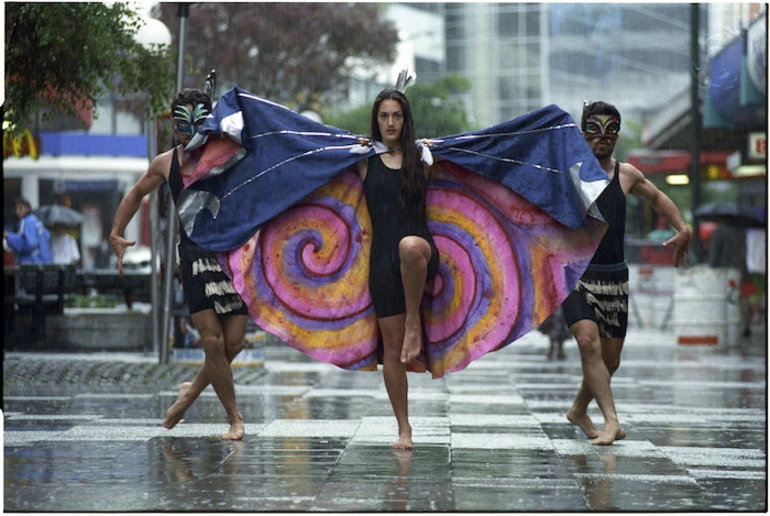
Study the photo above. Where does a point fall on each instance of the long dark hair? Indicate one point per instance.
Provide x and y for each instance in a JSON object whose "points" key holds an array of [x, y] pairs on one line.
{"points": [[413, 184]]}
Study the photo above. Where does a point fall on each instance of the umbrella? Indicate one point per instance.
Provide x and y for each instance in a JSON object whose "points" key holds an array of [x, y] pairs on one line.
{"points": [[730, 213], [54, 214]]}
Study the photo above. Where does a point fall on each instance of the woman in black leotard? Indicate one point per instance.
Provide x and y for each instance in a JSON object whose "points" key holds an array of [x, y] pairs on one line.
{"points": [[403, 255]]}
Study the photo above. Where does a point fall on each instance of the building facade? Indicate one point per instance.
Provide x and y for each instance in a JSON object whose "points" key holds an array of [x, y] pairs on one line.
{"points": [[522, 56]]}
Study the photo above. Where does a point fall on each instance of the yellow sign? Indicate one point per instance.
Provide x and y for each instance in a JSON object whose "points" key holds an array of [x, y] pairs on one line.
{"points": [[22, 144]]}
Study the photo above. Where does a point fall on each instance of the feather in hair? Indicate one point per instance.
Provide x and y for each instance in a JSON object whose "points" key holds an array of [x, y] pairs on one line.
{"points": [[404, 80]]}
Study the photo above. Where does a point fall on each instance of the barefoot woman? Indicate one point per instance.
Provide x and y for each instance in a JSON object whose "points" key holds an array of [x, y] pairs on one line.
{"points": [[403, 255]]}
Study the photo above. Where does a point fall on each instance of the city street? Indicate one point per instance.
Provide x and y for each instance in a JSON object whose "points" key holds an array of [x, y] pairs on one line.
{"points": [[83, 433]]}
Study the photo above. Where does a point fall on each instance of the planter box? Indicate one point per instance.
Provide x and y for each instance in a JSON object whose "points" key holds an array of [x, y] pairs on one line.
{"points": [[99, 329]]}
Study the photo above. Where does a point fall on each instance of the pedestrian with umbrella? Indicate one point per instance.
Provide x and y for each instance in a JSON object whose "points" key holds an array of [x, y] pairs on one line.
{"points": [[727, 248], [64, 247], [52, 214]]}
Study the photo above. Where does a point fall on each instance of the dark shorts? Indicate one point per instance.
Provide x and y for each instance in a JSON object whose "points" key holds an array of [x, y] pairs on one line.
{"points": [[601, 296], [205, 285], [385, 284]]}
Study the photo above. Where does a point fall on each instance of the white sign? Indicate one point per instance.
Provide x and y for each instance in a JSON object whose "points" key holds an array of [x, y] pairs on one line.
{"points": [[757, 146]]}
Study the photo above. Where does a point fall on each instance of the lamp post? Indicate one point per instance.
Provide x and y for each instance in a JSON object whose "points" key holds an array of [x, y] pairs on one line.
{"points": [[168, 278], [695, 126], [151, 35]]}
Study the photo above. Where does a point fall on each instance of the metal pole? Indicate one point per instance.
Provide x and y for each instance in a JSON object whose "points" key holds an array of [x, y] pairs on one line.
{"points": [[695, 127], [168, 278], [152, 151]]}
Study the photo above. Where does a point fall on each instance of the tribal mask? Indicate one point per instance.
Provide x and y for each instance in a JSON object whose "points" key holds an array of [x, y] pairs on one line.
{"points": [[188, 122], [602, 126]]}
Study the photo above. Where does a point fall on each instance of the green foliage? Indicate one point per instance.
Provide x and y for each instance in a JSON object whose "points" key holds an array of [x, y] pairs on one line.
{"points": [[97, 301], [62, 56], [355, 120], [438, 110], [630, 139]]}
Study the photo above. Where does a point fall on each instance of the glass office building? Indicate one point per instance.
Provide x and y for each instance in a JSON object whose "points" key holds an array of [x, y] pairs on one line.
{"points": [[522, 56]]}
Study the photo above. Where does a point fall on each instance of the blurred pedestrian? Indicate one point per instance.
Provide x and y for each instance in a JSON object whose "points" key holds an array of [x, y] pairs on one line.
{"points": [[102, 255], [727, 250], [31, 241], [556, 329], [597, 308], [191, 338], [756, 264], [64, 247], [8, 257], [216, 309]]}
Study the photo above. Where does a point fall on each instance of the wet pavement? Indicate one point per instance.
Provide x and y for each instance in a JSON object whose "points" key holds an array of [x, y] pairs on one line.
{"points": [[83, 433]]}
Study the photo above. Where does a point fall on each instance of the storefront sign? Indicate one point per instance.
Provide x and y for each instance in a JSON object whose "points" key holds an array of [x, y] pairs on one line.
{"points": [[757, 146], [22, 144]]}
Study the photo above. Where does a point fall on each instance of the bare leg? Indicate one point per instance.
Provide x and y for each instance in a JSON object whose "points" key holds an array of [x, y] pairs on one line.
{"points": [[235, 331], [218, 369], [596, 384], [415, 254], [394, 374]]}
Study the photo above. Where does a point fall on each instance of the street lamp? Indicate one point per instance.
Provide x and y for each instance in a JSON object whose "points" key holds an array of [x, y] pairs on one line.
{"points": [[152, 35]]}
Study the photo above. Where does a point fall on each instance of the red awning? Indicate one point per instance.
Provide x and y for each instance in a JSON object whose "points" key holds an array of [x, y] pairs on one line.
{"points": [[676, 162]]}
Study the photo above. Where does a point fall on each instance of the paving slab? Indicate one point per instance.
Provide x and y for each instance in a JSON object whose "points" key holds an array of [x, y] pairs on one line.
{"points": [[82, 433]]}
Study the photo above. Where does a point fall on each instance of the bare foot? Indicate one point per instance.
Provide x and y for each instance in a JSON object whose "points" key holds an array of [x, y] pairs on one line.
{"points": [[404, 441], [583, 421], [412, 340], [236, 429], [610, 434], [175, 413]]}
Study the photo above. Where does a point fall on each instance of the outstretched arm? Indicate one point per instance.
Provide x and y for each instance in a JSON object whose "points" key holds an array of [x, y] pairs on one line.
{"points": [[665, 207], [133, 200]]}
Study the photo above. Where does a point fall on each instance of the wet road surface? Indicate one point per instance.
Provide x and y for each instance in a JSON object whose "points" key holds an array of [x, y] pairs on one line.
{"points": [[83, 433]]}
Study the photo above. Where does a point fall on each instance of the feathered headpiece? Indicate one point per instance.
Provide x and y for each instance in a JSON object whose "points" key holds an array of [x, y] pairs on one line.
{"points": [[211, 85], [404, 80]]}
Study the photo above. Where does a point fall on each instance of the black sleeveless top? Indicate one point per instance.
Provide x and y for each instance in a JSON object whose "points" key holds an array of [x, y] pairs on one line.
{"points": [[612, 205], [382, 188], [176, 185]]}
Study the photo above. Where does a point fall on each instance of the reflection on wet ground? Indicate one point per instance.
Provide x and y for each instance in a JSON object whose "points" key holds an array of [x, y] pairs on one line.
{"points": [[491, 438]]}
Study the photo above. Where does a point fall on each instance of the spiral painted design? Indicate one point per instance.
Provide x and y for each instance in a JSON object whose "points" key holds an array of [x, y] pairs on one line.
{"points": [[476, 292], [304, 276], [505, 265]]}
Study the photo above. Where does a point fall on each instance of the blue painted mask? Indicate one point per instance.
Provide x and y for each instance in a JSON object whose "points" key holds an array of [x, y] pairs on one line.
{"points": [[188, 122]]}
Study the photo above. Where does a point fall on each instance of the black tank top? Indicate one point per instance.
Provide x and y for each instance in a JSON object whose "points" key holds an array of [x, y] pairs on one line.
{"points": [[176, 185], [382, 188], [612, 205]]}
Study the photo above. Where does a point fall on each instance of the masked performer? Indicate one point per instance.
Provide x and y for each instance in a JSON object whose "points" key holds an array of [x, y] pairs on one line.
{"points": [[361, 250], [217, 311]]}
